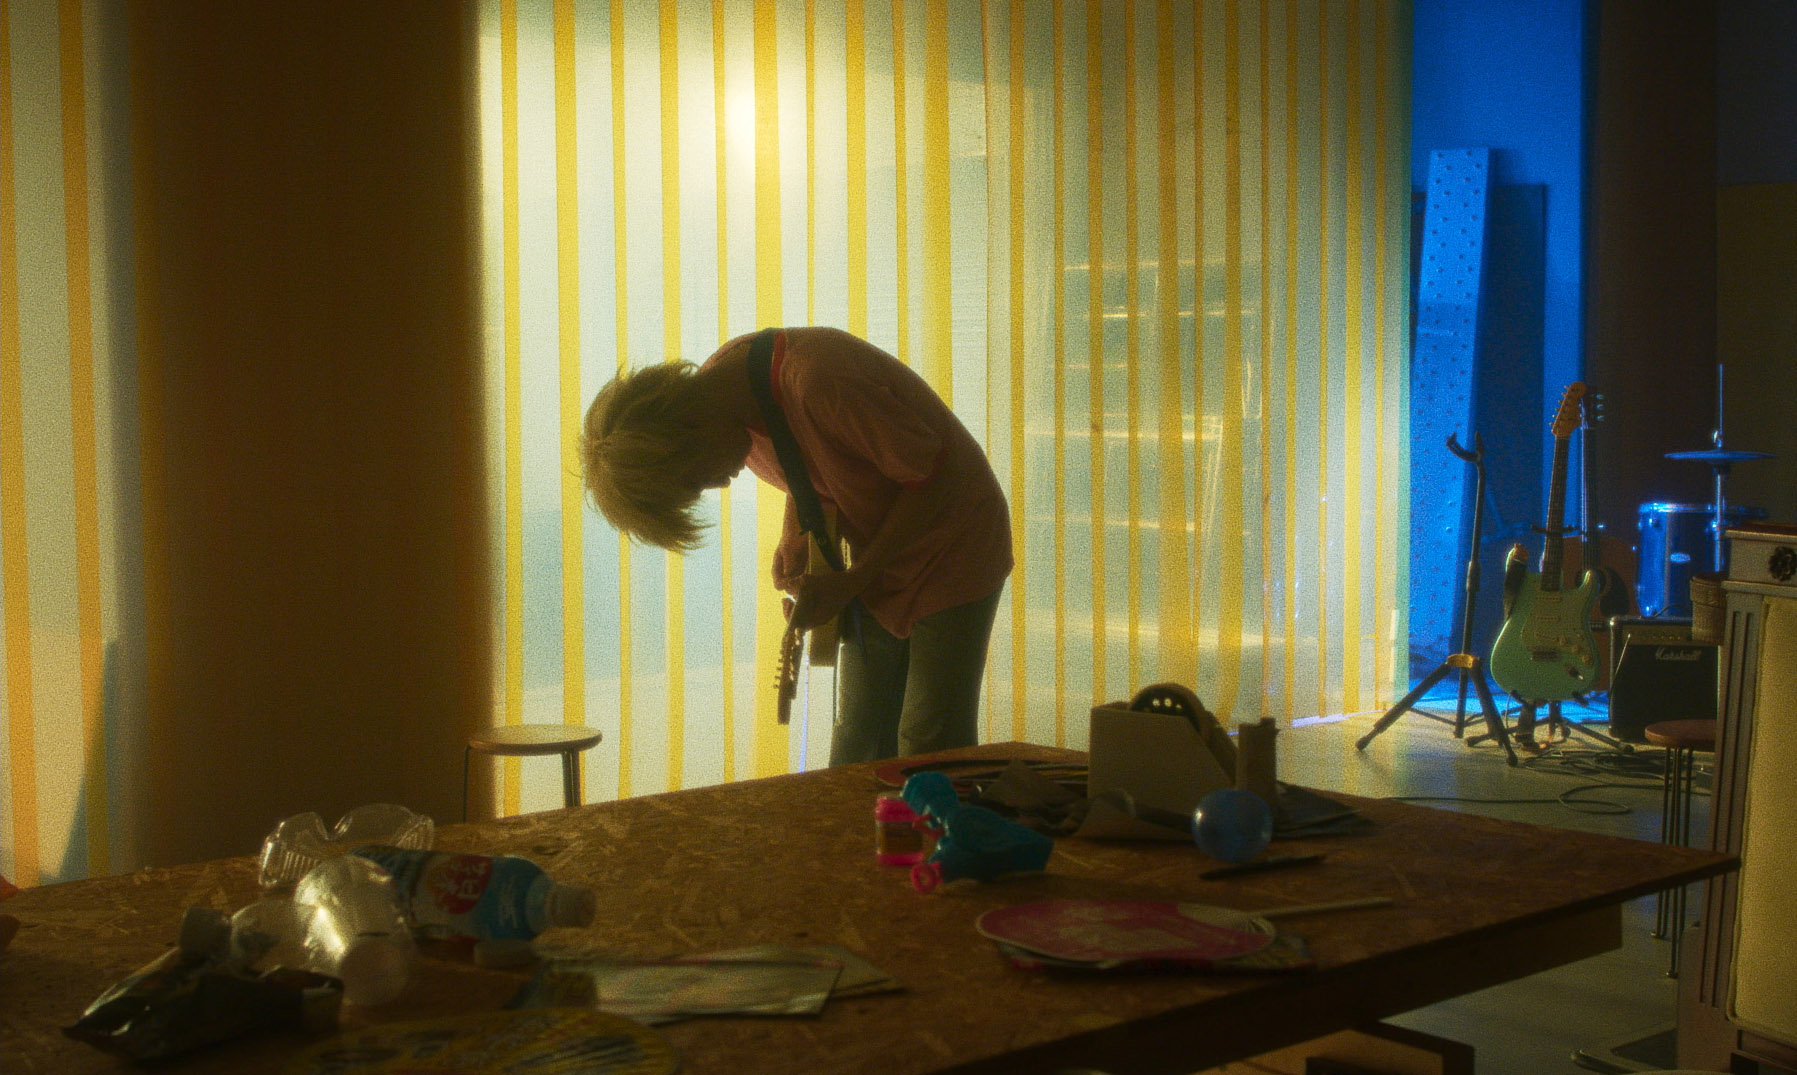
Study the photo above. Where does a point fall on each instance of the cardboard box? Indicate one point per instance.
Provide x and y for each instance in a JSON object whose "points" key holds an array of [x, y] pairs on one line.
{"points": [[1163, 748]]}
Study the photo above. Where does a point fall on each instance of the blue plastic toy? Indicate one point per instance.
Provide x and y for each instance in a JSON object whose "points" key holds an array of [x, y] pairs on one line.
{"points": [[1232, 825], [971, 841]]}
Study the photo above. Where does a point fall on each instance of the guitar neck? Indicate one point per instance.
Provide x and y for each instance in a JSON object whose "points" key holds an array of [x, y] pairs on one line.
{"points": [[1553, 548], [1588, 546]]}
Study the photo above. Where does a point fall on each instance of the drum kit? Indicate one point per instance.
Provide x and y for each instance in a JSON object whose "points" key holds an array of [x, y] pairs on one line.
{"points": [[1675, 536]]}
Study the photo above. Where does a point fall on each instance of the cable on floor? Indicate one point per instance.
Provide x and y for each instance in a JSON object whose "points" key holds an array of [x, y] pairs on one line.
{"points": [[1566, 798], [1559, 759]]}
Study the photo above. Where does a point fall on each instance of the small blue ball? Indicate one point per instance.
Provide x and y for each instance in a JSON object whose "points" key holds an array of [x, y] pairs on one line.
{"points": [[1232, 825]]}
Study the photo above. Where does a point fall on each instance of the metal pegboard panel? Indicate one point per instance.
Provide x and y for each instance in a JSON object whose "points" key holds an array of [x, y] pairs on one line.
{"points": [[1441, 380]]}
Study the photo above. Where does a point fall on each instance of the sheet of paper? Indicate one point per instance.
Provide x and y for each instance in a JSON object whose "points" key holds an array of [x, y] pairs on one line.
{"points": [[858, 975], [674, 989]]}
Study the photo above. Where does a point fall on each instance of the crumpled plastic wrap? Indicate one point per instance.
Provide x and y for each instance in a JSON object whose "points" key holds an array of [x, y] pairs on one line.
{"points": [[302, 842]]}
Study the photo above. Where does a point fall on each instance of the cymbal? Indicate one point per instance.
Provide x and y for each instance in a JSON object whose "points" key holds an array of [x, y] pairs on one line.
{"points": [[1718, 455]]}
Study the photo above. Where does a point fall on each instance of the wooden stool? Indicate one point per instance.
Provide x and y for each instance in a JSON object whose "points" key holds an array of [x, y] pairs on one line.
{"points": [[1682, 740], [568, 740]]}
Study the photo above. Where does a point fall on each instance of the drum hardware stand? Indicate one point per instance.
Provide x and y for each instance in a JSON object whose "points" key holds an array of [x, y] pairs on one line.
{"points": [[1719, 460], [1464, 662]]}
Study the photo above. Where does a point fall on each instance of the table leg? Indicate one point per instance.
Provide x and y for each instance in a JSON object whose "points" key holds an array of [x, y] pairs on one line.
{"points": [[1686, 774]]}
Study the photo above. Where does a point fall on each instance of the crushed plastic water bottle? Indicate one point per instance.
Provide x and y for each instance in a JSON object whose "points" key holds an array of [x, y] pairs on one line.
{"points": [[357, 928], [343, 920], [301, 843], [480, 897]]}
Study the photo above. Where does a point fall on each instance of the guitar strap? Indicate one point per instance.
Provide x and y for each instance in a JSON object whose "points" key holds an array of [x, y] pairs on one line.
{"points": [[792, 464]]}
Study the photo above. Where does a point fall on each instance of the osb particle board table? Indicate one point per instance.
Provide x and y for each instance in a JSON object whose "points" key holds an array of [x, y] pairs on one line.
{"points": [[789, 860]]}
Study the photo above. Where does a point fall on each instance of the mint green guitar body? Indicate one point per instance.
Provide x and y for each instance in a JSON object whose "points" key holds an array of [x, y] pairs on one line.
{"points": [[1546, 651]]}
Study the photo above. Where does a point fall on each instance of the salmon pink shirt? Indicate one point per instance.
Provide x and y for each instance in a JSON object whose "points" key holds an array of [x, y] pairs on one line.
{"points": [[867, 426]]}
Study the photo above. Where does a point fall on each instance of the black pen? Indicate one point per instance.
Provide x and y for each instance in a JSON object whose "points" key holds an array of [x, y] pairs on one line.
{"points": [[1274, 863]]}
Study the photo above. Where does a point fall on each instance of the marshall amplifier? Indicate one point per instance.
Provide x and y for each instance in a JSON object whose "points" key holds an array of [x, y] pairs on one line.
{"points": [[1657, 672]]}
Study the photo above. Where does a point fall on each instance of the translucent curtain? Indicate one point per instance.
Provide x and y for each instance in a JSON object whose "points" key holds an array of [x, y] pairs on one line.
{"points": [[70, 606], [1152, 252]]}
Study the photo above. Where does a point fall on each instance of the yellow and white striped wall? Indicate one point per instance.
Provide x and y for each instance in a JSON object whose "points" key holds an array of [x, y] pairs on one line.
{"points": [[68, 500], [1153, 252]]}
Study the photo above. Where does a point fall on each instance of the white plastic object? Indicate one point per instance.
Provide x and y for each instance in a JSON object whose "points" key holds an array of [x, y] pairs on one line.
{"points": [[301, 842]]}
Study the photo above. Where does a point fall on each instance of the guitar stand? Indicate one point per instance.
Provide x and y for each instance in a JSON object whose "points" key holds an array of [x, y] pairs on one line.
{"points": [[1524, 732], [1468, 666]]}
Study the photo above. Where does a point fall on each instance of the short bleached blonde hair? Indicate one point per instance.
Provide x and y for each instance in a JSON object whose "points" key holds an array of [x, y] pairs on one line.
{"points": [[638, 450]]}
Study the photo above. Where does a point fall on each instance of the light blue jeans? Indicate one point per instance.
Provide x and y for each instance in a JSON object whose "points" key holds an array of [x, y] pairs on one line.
{"points": [[912, 695]]}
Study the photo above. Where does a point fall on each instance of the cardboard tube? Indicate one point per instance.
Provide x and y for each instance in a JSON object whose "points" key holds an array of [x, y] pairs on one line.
{"points": [[1257, 763]]}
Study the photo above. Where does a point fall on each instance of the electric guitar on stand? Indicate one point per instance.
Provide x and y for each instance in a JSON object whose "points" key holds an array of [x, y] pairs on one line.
{"points": [[1545, 651]]}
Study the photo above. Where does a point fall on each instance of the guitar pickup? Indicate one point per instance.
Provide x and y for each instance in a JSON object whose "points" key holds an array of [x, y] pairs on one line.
{"points": [[1544, 654]]}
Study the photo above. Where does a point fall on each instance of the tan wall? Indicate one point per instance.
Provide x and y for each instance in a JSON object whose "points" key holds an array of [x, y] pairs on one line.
{"points": [[1756, 331], [315, 584]]}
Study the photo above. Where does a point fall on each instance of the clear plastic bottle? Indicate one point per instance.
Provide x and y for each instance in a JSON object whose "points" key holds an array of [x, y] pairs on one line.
{"points": [[343, 920], [480, 897], [301, 842]]}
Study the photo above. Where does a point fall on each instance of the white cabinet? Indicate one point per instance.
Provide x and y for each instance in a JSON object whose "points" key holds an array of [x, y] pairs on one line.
{"points": [[1738, 1000]]}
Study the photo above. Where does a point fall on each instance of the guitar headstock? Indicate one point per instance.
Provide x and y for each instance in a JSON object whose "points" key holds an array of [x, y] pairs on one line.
{"points": [[1566, 419]]}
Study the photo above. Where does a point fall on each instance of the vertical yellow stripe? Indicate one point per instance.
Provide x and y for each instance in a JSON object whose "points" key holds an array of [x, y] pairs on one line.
{"points": [[769, 306], [1353, 211], [514, 391], [901, 187], [1271, 705], [1057, 281], [855, 104], [1384, 556], [1321, 374], [83, 452], [14, 577], [810, 162], [671, 335], [938, 273], [1132, 350], [567, 250], [1019, 454], [1292, 173], [1178, 654], [1229, 450], [1095, 255], [728, 601], [771, 739], [1199, 316], [621, 273]]}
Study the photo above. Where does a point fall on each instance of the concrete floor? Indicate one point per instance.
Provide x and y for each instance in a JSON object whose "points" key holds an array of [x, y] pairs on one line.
{"points": [[1532, 1026]]}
